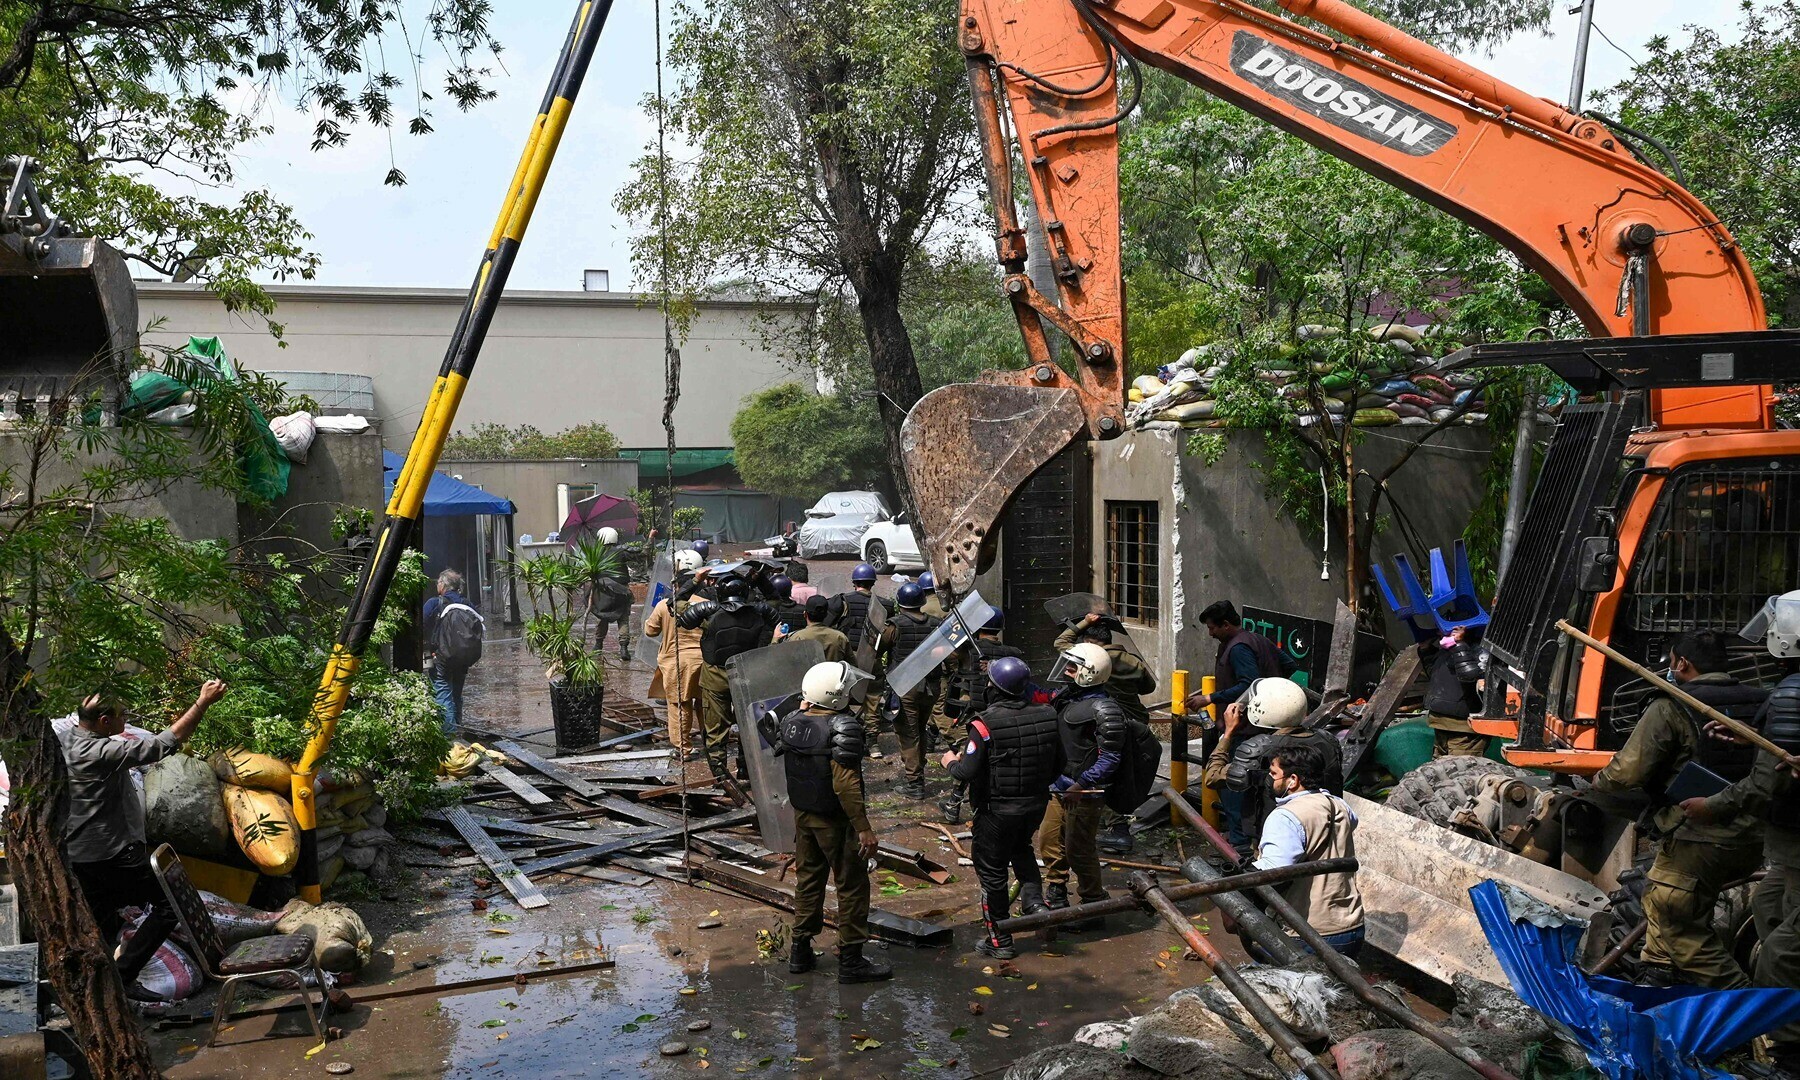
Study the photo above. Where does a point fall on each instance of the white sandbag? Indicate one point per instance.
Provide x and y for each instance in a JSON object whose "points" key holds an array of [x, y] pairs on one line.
{"points": [[340, 940], [342, 425], [1149, 385], [171, 975], [295, 433], [1395, 332], [235, 922], [1193, 410], [173, 416]]}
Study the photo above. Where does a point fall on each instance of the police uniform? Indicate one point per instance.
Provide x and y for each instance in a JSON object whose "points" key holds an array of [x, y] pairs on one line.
{"points": [[1693, 861], [1449, 702], [1130, 679], [822, 752], [1013, 753], [730, 628], [849, 615], [1092, 727], [903, 634], [835, 644]]}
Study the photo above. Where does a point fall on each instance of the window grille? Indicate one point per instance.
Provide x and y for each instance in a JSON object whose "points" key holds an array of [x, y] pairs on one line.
{"points": [[1133, 560], [1724, 541]]}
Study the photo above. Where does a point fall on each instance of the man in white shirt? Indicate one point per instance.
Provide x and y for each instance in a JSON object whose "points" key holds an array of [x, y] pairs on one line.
{"points": [[1309, 824]]}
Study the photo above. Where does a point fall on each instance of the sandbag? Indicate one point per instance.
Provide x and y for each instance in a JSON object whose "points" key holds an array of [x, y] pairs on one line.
{"points": [[1374, 418], [329, 846], [376, 816], [235, 922], [295, 433], [263, 824], [171, 974], [1148, 385], [1417, 400], [185, 808], [1433, 383], [1371, 401], [1405, 411], [333, 780], [246, 768], [360, 858], [340, 940], [1396, 332], [1193, 410]]}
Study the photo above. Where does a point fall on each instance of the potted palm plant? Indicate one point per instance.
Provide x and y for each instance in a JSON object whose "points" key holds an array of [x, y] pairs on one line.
{"points": [[557, 584]]}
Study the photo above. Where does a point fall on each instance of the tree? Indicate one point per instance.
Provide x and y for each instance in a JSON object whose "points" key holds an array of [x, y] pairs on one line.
{"points": [[790, 441], [497, 442], [832, 145], [98, 594], [136, 108], [1730, 114]]}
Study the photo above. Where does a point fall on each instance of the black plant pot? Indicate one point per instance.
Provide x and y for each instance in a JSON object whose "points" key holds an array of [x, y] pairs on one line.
{"points": [[576, 713]]}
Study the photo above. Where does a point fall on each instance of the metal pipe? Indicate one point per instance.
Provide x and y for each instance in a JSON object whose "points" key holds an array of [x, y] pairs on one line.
{"points": [[1145, 888], [1518, 492], [1120, 904], [1346, 972], [1578, 78], [1246, 919], [1617, 952]]}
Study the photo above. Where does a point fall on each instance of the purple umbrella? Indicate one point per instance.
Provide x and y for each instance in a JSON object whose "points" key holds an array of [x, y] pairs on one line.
{"points": [[596, 512]]}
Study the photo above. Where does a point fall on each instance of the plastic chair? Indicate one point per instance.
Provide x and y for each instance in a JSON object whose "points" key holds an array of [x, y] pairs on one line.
{"points": [[290, 953]]}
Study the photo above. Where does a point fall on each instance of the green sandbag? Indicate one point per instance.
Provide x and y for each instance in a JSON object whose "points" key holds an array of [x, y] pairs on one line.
{"points": [[1342, 380], [1374, 418], [150, 391]]}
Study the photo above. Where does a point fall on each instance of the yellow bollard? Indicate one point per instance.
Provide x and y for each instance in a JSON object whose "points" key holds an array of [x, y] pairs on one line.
{"points": [[1209, 796], [1178, 737]]}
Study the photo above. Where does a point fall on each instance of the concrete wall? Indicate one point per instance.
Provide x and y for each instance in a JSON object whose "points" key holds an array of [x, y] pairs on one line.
{"points": [[531, 485], [340, 471], [552, 359], [1223, 538]]}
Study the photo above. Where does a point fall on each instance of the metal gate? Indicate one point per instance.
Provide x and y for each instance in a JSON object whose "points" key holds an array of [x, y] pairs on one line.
{"points": [[1047, 546]]}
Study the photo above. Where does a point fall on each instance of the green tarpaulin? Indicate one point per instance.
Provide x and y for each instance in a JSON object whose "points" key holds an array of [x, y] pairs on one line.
{"points": [[264, 464], [653, 464]]}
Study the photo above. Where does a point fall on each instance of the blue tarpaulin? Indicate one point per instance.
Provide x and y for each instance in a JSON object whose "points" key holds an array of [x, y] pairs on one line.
{"points": [[447, 496], [1629, 1032]]}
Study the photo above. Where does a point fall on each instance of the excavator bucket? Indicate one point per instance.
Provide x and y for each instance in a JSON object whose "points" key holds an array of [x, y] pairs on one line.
{"points": [[968, 447], [67, 302]]}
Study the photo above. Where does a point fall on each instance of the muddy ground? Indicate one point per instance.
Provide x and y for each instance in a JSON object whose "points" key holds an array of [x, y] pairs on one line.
{"points": [[948, 1012]]}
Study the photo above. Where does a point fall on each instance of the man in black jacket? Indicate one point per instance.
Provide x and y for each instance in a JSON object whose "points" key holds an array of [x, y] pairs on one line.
{"points": [[903, 634], [1013, 753], [729, 625], [1450, 696], [970, 691], [1093, 730]]}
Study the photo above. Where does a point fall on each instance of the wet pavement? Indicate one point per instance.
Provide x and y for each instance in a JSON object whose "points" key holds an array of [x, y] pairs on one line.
{"points": [[948, 1012]]}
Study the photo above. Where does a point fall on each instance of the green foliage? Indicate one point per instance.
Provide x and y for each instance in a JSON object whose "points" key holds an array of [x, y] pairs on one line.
{"points": [[687, 521], [793, 442], [497, 442], [1208, 446], [138, 109], [558, 584], [1728, 106]]}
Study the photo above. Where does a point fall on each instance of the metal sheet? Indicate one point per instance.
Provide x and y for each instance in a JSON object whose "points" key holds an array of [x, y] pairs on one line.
{"points": [[489, 852], [970, 615], [883, 925], [760, 679], [869, 643], [1068, 608], [1415, 881]]}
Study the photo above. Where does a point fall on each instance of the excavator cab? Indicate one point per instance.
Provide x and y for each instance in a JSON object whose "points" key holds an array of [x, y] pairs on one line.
{"points": [[67, 303], [1639, 535]]}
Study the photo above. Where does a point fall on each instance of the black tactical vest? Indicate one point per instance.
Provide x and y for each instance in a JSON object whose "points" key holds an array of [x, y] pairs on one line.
{"points": [[733, 632], [1080, 720], [910, 631], [850, 612], [1731, 760], [790, 614], [972, 682], [1021, 754], [806, 751]]}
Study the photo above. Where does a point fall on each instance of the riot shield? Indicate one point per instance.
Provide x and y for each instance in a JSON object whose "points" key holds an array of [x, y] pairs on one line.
{"points": [[760, 679], [1067, 609], [662, 577], [970, 615], [870, 643]]}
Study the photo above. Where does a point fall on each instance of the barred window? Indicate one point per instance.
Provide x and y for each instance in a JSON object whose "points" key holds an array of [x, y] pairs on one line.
{"points": [[1133, 559]]}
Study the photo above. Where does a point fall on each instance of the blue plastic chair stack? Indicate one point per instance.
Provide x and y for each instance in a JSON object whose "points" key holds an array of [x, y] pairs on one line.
{"points": [[1451, 602]]}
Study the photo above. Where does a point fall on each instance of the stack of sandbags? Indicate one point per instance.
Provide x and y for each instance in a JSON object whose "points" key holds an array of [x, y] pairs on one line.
{"points": [[340, 940], [353, 838], [184, 807], [255, 789]]}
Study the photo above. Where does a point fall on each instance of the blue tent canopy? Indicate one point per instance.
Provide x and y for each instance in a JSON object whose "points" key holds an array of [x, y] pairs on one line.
{"points": [[446, 497]]}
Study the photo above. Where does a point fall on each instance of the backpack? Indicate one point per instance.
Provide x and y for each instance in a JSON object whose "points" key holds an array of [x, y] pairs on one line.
{"points": [[457, 636], [1137, 773]]}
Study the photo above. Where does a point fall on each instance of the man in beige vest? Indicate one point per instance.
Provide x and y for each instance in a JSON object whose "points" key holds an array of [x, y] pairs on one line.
{"points": [[1309, 824]]}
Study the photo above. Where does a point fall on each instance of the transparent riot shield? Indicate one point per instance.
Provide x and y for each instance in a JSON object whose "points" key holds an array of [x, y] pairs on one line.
{"points": [[870, 643], [970, 615], [662, 577], [760, 680], [1067, 609]]}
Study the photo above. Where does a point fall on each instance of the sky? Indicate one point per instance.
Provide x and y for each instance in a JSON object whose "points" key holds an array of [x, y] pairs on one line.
{"points": [[431, 231]]}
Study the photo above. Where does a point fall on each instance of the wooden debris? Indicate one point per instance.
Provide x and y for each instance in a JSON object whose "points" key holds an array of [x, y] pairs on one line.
{"points": [[516, 883]]}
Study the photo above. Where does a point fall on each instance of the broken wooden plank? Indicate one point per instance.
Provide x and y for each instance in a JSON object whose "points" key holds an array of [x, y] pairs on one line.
{"points": [[494, 824], [587, 789], [603, 873], [1380, 709], [516, 784], [619, 756], [489, 852], [884, 925], [651, 815], [574, 858]]}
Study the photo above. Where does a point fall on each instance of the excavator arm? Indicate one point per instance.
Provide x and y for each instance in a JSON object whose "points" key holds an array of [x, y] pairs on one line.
{"points": [[1629, 249]]}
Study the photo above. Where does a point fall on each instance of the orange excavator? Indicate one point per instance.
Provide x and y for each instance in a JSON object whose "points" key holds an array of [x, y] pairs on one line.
{"points": [[1670, 506]]}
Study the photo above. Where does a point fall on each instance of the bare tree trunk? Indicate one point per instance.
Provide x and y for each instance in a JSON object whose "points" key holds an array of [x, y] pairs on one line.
{"points": [[896, 369], [78, 964]]}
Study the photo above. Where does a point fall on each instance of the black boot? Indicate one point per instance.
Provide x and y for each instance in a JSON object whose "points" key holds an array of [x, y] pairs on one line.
{"points": [[1056, 895], [1031, 898], [1117, 840], [801, 958], [994, 908], [913, 789], [951, 806], [854, 967]]}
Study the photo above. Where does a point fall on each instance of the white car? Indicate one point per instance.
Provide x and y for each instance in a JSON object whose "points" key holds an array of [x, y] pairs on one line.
{"points": [[890, 545], [836, 523]]}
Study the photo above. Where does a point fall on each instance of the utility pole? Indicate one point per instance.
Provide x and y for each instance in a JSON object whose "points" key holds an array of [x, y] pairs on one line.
{"points": [[1578, 80]]}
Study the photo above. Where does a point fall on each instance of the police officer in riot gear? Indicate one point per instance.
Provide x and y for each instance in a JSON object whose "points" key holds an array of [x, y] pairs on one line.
{"points": [[903, 634], [1693, 861], [1093, 730], [822, 746], [1131, 680], [1013, 754], [968, 692], [1275, 710], [731, 625], [788, 614], [1772, 794], [850, 609]]}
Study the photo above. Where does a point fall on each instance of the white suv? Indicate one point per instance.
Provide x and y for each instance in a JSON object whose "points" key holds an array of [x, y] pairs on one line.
{"points": [[890, 545]]}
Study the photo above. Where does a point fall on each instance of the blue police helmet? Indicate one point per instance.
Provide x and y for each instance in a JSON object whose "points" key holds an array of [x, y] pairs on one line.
{"points": [[928, 581], [864, 574], [910, 596], [1009, 674], [783, 586]]}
